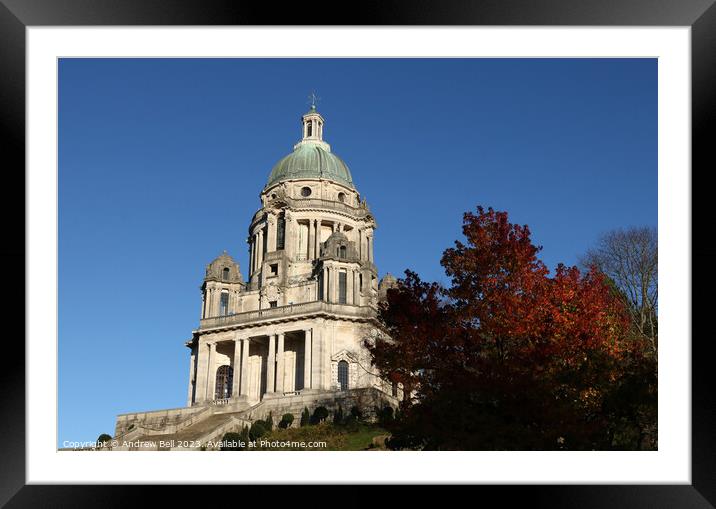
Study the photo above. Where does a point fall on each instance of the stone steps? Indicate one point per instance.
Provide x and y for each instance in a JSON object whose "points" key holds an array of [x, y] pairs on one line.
{"points": [[231, 419], [191, 433]]}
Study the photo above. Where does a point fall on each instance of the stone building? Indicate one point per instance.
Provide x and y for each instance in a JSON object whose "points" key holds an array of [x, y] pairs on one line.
{"points": [[295, 326], [297, 322]]}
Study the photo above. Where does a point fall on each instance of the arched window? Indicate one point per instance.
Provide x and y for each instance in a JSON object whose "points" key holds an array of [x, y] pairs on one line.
{"points": [[224, 304], [342, 287], [224, 382], [281, 232], [342, 252], [309, 129], [341, 197], [225, 274], [343, 375]]}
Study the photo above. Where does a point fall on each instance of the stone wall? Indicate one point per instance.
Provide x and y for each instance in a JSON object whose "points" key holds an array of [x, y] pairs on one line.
{"points": [[367, 400], [159, 420]]}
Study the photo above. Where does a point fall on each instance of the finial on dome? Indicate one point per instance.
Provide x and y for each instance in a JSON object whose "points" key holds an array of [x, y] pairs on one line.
{"points": [[313, 99]]}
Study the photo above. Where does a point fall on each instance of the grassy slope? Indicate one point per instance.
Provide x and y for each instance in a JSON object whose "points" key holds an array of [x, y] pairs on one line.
{"points": [[338, 438]]}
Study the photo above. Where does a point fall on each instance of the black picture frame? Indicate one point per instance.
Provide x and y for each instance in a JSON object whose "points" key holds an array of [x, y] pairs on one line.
{"points": [[16, 15]]}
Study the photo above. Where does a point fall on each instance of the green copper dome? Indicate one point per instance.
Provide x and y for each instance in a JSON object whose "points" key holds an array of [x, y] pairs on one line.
{"points": [[311, 160]]}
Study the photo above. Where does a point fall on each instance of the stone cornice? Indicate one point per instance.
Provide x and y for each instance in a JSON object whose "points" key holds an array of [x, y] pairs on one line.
{"points": [[291, 313]]}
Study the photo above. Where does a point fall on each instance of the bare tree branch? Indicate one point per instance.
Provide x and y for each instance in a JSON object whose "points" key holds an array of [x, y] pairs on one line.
{"points": [[630, 258]]}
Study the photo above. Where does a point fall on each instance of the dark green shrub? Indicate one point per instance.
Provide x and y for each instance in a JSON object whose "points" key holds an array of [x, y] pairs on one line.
{"points": [[305, 417], [386, 415], [233, 442], [356, 413], [286, 421], [268, 422], [320, 414], [338, 416], [103, 439], [258, 429]]}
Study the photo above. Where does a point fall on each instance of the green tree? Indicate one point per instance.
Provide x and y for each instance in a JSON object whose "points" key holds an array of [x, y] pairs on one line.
{"points": [[231, 442], [103, 439], [268, 422], [286, 421], [257, 430], [338, 416], [305, 417], [320, 414]]}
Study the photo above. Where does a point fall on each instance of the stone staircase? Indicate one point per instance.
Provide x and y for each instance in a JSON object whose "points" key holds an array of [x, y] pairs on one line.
{"points": [[190, 437], [203, 434], [207, 427]]}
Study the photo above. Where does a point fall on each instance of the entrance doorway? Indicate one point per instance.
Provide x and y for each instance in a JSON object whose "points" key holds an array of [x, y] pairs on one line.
{"points": [[224, 382]]}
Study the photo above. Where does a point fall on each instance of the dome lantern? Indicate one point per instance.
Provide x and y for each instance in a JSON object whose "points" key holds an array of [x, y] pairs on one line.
{"points": [[311, 157], [312, 129]]}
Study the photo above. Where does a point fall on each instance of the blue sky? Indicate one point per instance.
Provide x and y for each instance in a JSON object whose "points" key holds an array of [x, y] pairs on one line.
{"points": [[161, 162]]}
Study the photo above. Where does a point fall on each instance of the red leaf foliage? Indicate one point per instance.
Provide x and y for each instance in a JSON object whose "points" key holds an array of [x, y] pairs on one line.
{"points": [[528, 360]]}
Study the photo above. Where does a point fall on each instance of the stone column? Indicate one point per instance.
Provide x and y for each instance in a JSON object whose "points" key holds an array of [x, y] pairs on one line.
{"points": [[356, 288], [332, 275], [192, 380], [311, 240], [350, 279], [210, 375], [307, 359], [207, 303], [271, 233], [260, 249], [236, 384], [245, 343], [252, 258], [317, 239], [289, 243], [280, 365], [316, 354], [256, 251], [201, 368], [327, 337], [271, 365], [360, 243]]}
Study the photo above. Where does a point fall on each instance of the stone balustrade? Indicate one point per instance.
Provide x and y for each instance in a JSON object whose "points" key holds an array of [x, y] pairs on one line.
{"points": [[286, 312], [319, 204]]}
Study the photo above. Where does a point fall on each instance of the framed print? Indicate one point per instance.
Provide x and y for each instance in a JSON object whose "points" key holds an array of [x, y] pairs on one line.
{"points": [[421, 248]]}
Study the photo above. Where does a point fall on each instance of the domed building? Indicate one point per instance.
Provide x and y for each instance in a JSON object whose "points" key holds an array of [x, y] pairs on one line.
{"points": [[291, 335]]}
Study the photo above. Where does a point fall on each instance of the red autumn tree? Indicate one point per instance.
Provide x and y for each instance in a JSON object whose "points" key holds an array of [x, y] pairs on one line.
{"points": [[508, 357]]}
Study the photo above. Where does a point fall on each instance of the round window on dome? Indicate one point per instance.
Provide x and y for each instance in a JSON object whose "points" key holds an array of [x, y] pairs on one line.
{"points": [[305, 191], [342, 197]]}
